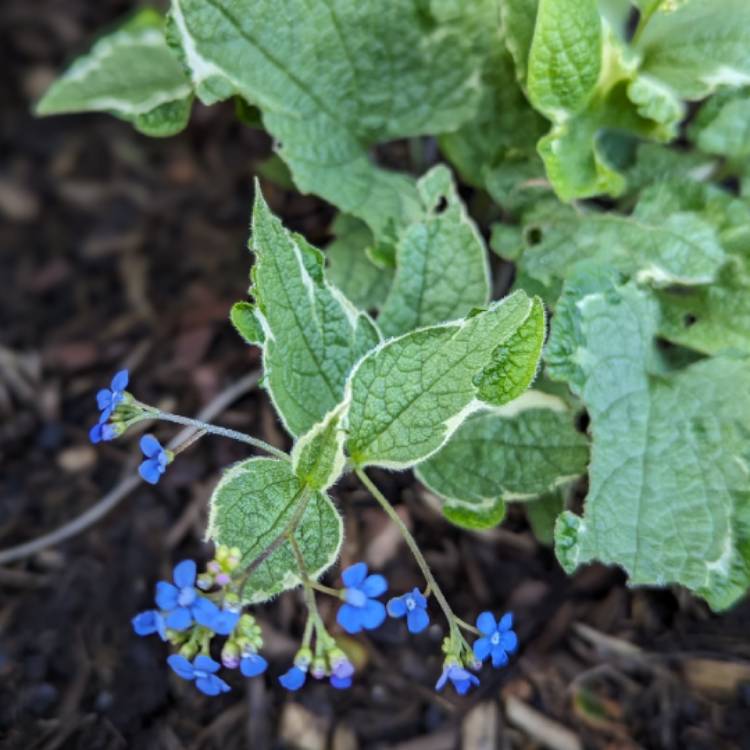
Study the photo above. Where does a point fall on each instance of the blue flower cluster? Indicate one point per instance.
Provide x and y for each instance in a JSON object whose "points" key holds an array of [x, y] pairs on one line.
{"points": [[190, 620], [108, 399]]}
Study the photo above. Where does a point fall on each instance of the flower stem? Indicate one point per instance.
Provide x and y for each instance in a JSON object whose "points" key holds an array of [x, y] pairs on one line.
{"points": [[432, 584], [223, 431], [326, 589]]}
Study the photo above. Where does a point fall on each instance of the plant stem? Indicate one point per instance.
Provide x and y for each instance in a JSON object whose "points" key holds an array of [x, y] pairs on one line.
{"points": [[223, 431], [432, 584], [325, 589]]}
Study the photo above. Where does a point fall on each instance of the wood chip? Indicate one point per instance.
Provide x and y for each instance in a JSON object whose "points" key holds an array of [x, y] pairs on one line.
{"points": [[539, 727], [301, 729], [716, 677], [480, 728]]}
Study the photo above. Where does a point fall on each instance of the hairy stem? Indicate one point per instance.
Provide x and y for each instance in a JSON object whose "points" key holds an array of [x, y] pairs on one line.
{"points": [[223, 431], [432, 584]]}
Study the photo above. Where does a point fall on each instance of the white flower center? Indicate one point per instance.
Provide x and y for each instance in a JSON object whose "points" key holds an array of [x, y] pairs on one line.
{"points": [[495, 639]]}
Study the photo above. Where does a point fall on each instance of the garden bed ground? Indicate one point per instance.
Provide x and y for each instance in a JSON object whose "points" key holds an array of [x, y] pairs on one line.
{"points": [[120, 250]]}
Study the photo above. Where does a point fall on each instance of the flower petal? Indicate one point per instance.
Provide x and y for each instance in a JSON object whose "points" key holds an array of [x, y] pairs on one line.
{"points": [[373, 614], [374, 585], [184, 573], [294, 679], [95, 434], [181, 666], [341, 683], [205, 612], [417, 620], [224, 622], [482, 648], [440, 684], [499, 657], [103, 399], [120, 380], [355, 597], [354, 575], [150, 471], [145, 623], [166, 595], [509, 641], [350, 618], [179, 619], [150, 446], [506, 622], [206, 663], [397, 607], [212, 685], [419, 597], [486, 623], [253, 665]]}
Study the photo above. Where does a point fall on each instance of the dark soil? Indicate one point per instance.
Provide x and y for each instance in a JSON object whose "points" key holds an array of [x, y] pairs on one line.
{"points": [[117, 250]]}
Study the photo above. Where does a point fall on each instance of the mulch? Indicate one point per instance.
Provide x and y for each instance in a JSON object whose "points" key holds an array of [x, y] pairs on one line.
{"points": [[117, 250]]}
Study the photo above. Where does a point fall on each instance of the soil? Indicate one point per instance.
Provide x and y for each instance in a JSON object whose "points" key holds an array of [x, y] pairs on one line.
{"points": [[118, 250]]}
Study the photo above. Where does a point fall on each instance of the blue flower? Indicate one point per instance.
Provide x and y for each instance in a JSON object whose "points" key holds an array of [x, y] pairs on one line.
{"points": [[149, 622], [156, 459], [360, 610], [108, 398], [498, 639], [103, 432], [294, 678], [223, 621], [461, 678], [341, 673], [414, 606], [202, 671], [181, 601], [252, 664]]}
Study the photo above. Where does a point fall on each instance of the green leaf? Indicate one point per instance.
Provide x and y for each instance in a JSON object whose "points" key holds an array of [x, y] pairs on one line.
{"points": [[130, 73], [256, 502], [246, 323], [313, 335], [442, 268], [519, 18], [722, 125], [682, 248], [350, 268], [542, 514], [565, 58], [333, 78], [668, 483], [318, 456], [514, 363], [407, 397], [512, 454], [713, 318], [695, 46], [504, 128]]}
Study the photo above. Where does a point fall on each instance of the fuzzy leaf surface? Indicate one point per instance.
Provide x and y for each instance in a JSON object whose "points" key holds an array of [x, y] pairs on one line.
{"points": [[514, 454], [313, 335], [253, 504], [332, 79], [668, 495], [407, 397], [131, 73], [442, 269]]}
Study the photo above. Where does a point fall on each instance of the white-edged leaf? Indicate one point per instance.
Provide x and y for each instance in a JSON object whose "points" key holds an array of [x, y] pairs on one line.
{"points": [[669, 480], [253, 505], [131, 73], [312, 334], [442, 271], [514, 453], [333, 78], [407, 396]]}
